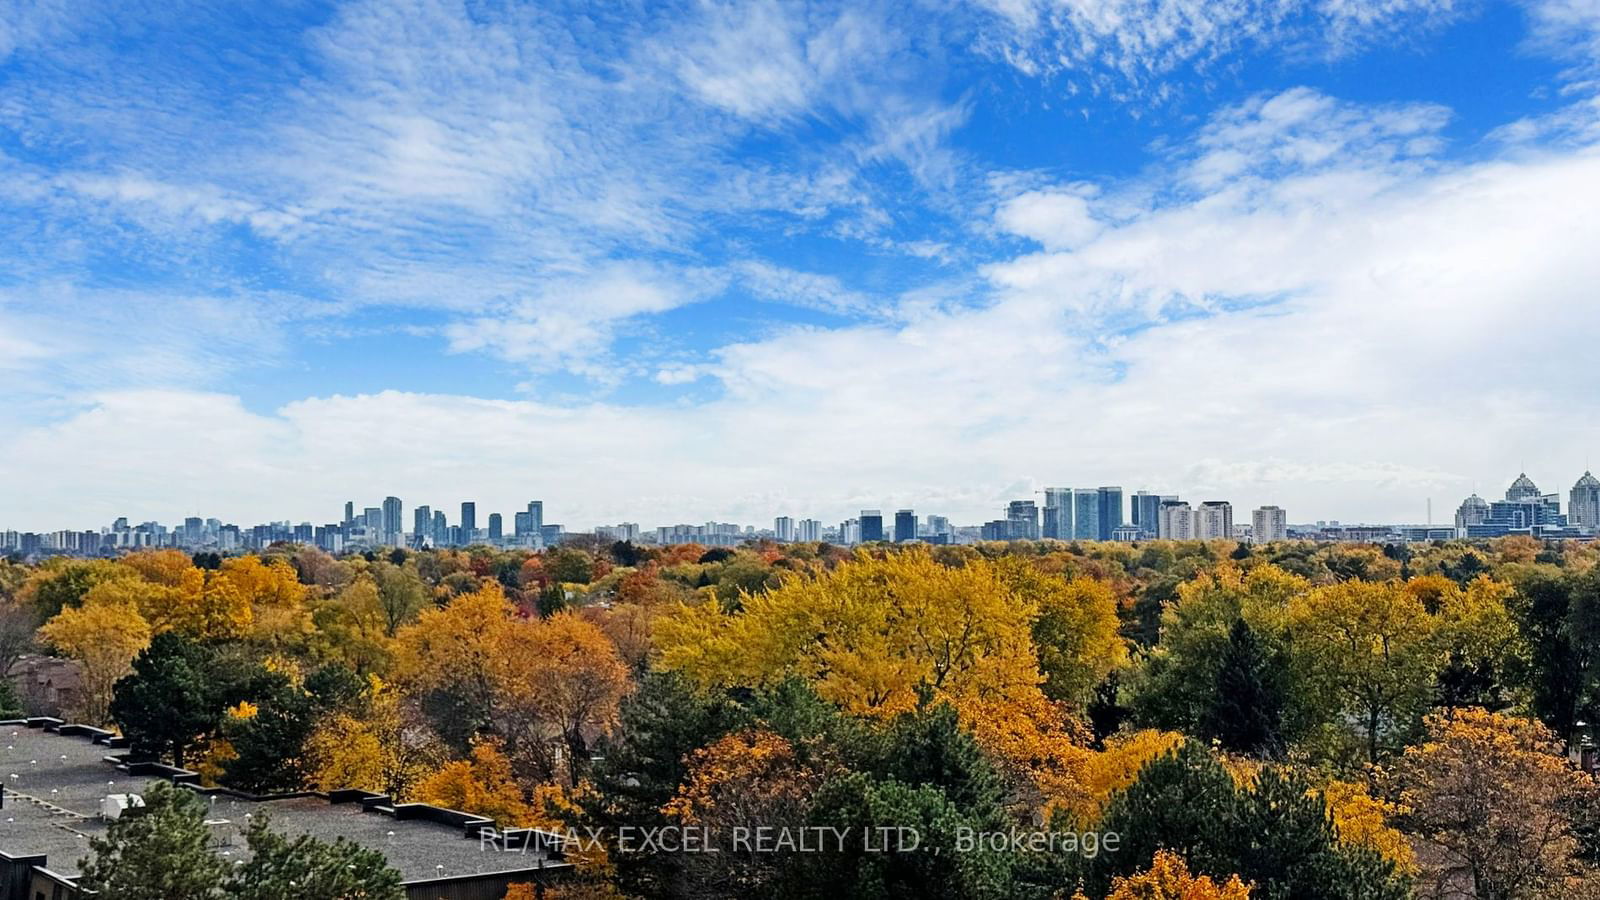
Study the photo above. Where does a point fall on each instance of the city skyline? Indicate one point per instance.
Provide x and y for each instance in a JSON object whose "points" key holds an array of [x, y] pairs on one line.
{"points": [[1101, 513], [810, 256]]}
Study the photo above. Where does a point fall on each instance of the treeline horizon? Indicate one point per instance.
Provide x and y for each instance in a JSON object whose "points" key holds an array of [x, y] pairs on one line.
{"points": [[1286, 720]]}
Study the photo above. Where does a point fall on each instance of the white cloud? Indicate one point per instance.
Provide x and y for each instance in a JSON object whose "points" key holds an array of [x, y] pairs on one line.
{"points": [[572, 321], [1346, 337], [1058, 219], [1124, 47], [28, 23], [802, 289]]}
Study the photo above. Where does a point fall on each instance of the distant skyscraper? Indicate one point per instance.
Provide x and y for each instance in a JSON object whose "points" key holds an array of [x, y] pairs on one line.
{"points": [[905, 525], [1522, 489], [1583, 507], [469, 520], [349, 513], [1145, 508], [495, 523], [372, 518], [1022, 521], [1177, 521], [783, 528], [1268, 524], [422, 526], [939, 528], [441, 528], [1086, 514], [850, 531], [1213, 520], [1110, 501], [871, 525], [1057, 514], [808, 530], [392, 526], [536, 514], [1473, 511]]}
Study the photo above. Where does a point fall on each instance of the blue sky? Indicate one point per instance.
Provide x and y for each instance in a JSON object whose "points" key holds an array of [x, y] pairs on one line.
{"points": [[675, 262]]}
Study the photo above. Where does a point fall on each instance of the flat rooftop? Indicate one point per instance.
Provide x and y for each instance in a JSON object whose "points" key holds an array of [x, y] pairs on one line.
{"points": [[55, 784]]}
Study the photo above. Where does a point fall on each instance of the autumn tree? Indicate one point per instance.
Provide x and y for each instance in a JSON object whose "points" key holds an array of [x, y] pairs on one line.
{"points": [[261, 600], [749, 779], [1116, 767], [1484, 658], [61, 584], [868, 634], [1169, 878], [353, 628], [450, 657], [375, 744], [1076, 630], [1176, 683], [1364, 820], [557, 681], [401, 595], [481, 784], [881, 636], [547, 687], [1493, 796], [104, 638], [1367, 653]]}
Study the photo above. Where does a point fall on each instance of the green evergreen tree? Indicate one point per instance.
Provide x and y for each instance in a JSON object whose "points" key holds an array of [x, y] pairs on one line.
{"points": [[170, 702], [281, 867], [10, 703], [1277, 834], [1246, 710], [269, 745], [162, 852], [552, 599], [925, 861], [640, 770]]}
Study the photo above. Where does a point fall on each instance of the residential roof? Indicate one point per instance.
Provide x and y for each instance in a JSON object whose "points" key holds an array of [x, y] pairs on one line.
{"points": [[55, 784]]}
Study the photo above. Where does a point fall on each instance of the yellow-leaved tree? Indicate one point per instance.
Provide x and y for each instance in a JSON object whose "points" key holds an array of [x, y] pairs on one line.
{"points": [[868, 635], [481, 784], [1362, 820], [1117, 767], [877, 634], [559, 683], [547, 686], [379, 747], [1169, 878], [103, 637], [272, 593], [1367, 652], [1076, 631], [1494, 800]]}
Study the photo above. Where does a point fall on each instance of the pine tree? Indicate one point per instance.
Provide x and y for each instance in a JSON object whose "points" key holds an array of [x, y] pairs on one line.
{"points": [[1246, 710], [162, 852], [1276, 833], [306, 867]]}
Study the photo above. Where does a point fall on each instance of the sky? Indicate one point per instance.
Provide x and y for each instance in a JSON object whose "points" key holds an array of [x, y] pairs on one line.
{"points": [[678, 262]]}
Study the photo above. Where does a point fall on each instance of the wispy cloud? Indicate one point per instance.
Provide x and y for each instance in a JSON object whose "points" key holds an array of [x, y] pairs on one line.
{"points": [[1128, 47]]}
